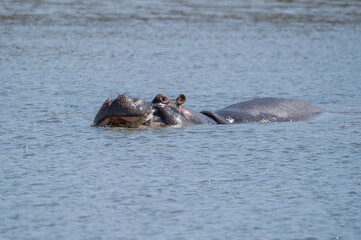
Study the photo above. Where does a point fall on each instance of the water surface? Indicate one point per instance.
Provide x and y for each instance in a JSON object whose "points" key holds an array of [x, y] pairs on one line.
{"points": [[62, 179]]}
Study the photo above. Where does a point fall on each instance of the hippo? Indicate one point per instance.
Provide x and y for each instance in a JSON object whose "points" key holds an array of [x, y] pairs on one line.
{"points": [[125, 111]]}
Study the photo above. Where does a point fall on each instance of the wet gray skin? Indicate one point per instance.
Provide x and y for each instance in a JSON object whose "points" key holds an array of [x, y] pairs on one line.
{"points": [[168, 112], [134, 112], [266, 110], [122, 111]]}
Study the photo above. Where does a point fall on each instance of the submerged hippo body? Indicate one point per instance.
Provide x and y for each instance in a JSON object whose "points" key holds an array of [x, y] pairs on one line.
{"points": [[135, 112]]}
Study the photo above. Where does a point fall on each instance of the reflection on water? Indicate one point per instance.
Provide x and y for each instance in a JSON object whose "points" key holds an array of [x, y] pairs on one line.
{"points": [[62, 179]]}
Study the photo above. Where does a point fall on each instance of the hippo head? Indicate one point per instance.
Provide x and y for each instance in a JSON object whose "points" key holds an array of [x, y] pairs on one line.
{"points": [[122, 110], [168, 112], [125, 111]]}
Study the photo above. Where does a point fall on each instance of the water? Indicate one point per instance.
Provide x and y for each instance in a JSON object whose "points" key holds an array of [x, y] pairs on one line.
{"points": [[62, 179]]}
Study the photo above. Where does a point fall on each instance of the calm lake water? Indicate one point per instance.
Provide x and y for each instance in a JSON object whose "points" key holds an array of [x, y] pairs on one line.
{"points": [[60, 178]]}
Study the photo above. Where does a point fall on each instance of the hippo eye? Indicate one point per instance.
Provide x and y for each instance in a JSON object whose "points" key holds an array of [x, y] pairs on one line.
{"points": [[160, 98]]}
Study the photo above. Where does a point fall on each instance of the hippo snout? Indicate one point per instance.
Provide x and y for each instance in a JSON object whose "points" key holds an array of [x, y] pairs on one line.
{"points": [[124, 107]]}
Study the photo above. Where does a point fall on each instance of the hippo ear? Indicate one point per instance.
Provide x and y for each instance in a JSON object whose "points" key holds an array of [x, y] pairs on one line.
{"points": [[180, 99]]}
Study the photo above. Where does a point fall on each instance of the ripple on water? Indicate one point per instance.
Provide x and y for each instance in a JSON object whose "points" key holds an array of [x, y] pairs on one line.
{"points": [[60, 61]]}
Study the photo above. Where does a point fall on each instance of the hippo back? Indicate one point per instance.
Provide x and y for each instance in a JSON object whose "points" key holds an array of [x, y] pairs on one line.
{"points": [[269, 110]]}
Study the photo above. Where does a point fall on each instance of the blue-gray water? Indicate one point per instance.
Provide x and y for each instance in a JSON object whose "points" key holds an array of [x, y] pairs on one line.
{"points": [[60, 178]]}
